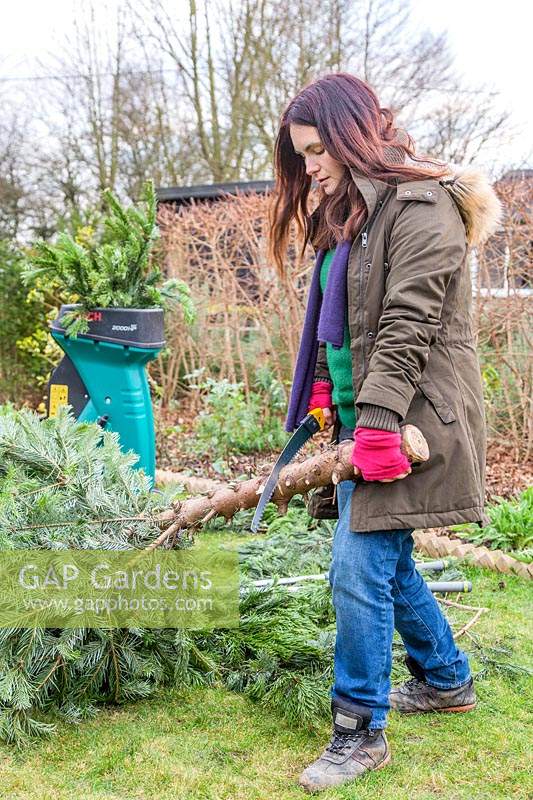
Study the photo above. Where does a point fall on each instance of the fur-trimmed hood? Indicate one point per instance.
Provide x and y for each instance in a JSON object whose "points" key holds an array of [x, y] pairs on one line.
{"points": [[478, 204], [469, 187]]}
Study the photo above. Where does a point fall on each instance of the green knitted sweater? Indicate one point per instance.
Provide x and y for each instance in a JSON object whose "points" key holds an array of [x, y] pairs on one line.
{"points": [[340, 363]]}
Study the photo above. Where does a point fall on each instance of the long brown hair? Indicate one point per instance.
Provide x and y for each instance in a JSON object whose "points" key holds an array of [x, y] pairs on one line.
{"points": [[357, 133]]}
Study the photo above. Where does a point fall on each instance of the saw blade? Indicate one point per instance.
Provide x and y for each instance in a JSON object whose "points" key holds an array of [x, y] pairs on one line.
{"points": [[295, 443]]}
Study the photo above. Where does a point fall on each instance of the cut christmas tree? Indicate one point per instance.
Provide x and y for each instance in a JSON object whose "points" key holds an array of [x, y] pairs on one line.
{"points": [[65, 484]]}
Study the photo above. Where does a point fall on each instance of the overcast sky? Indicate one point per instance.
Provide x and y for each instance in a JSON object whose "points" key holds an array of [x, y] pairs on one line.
{"points": [[491, 44]]}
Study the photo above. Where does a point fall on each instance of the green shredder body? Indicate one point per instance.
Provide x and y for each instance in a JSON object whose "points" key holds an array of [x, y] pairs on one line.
{"points": [[103, 377]]}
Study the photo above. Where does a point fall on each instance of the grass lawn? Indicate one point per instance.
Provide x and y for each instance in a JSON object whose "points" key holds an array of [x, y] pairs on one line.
{"points": [[210, 744]]}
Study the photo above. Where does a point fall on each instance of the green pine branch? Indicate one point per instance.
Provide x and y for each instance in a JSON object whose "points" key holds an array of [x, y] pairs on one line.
{"points": [[68, 484], [120, 271]]}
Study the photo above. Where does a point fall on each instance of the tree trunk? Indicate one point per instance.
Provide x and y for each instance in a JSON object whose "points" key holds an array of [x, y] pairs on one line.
{"points": [[331, 465]]}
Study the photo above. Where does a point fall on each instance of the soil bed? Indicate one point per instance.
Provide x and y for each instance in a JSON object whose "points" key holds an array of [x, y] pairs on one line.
{"points": [[505, 476]]}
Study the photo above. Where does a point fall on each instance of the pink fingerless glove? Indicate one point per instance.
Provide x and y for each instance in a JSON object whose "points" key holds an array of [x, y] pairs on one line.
{"points": [[377, 454], [320, 395]]}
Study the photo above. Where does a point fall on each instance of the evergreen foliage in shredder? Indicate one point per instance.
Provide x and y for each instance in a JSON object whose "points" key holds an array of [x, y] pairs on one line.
{"points": [[118, 271]]}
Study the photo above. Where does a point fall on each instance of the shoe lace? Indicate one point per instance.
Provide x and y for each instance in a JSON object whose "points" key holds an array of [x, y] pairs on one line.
{"points": [[341, 740], [413, 683]]}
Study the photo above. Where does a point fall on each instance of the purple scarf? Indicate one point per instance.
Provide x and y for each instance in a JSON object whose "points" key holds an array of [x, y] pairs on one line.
{"points": [[324, 322]]}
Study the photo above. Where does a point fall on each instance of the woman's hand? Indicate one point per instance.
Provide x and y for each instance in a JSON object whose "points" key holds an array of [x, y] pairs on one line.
{"points": [[321, 398], [329, 417], [377, 455]]}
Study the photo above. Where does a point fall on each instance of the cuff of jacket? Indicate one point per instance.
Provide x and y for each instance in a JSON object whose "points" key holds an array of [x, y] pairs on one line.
{"points": [[378, 417], [322, 378], [383, 389]]}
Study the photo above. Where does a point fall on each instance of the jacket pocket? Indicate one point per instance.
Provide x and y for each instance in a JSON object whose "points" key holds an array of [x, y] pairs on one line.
{"points": [[322, 504], [431, 393]]}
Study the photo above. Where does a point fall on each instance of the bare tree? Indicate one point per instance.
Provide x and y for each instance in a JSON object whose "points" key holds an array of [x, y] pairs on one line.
{"points": [[401, 62], [194, 93], [13, 194], [239, 62], [290, 50], [463, 124], [214, 71], [89, 94], [109, 120]]}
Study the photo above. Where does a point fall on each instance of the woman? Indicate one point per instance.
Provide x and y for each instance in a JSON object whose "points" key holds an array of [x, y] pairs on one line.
{"points": [[387, 340]]}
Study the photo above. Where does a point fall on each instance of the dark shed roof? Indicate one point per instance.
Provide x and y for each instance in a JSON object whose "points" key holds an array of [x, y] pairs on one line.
{"points": [[210, 191]]}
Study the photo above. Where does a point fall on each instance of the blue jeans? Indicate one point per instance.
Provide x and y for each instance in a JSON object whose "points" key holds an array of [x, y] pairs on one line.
{"points": [[376, 588]]}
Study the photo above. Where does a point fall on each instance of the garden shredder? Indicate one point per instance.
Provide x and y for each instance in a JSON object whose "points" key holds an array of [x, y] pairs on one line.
{"points": [[102, 375]]}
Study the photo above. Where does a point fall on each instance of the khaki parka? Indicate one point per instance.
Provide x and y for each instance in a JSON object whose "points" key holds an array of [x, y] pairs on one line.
{"points": [[412, 346]]}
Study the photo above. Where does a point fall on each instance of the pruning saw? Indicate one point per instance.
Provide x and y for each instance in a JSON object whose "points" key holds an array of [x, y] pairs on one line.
{"points": [[414, 446], [311, 424]]}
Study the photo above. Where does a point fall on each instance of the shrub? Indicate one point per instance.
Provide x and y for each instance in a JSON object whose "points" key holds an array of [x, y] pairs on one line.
{"points": [[27, 352], [247, 311], [506, 368], [230, 424], [510, 528]]}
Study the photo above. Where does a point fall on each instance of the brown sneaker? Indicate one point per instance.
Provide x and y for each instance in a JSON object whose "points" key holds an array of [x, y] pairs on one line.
{"points": [[418, 697], [352, 751]]}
